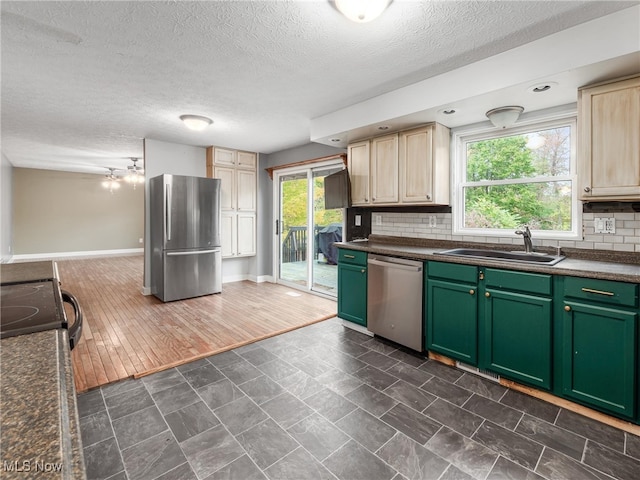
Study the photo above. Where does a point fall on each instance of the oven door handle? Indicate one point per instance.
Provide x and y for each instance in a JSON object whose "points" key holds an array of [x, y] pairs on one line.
{"points": [[75, 331]]}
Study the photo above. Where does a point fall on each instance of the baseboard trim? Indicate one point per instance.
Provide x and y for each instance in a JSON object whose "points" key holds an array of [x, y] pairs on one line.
{"points": [[87, 253], [262, 279], [355, 326]]}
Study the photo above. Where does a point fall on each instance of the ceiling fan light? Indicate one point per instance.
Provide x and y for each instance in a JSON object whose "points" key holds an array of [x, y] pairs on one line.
{"points": [[196, 122], [503, 117], [362, 11]]}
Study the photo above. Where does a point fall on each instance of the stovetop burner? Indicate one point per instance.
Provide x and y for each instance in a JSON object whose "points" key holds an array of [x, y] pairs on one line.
{"points": [[30, 307]]}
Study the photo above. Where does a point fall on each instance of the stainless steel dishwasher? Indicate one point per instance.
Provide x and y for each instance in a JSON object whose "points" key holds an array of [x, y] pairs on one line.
{"points": [[394, 299]]}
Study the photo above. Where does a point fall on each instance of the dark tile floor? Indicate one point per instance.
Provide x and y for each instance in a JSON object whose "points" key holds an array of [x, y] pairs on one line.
{"points": [[325, 402]]}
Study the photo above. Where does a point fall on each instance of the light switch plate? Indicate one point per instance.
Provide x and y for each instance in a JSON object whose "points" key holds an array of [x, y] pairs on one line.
{"points": [[378, 219], [604, 225], [358, 220], [432, 221]]}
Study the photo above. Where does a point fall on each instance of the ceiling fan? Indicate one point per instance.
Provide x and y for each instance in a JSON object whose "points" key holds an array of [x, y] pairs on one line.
{"points": [[111, 181], [135, 174]]}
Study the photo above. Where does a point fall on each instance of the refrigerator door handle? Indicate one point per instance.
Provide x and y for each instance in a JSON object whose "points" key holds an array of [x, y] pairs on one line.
{"points": [[168, 211], [198, 252]]}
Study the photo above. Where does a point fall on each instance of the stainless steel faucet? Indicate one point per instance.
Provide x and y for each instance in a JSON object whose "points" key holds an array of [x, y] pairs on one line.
{"points": [[526, 236]]}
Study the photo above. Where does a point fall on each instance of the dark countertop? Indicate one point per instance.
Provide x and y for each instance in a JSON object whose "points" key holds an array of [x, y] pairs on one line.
{"points": [[38, 412], [596, 264], [28, 271]]}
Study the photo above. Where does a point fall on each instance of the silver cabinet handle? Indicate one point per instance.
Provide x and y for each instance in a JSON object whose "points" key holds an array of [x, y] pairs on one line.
{"points": [[587, 189], [598, 292]]}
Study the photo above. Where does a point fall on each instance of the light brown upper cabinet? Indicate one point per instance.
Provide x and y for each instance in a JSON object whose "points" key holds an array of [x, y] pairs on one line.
{"points": [[237, 170], [609, 141], [384, 169], [358, 165], [424, 165], [406, 168]]}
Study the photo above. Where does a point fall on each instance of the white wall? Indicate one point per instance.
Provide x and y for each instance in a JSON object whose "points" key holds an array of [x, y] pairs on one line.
{"points": [[6, 209], [173, 159], [176, 159]]}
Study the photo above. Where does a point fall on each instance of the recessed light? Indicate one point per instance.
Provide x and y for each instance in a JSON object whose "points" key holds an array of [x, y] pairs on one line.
{"points": [[335, 140], [542, 87], [383, 127]]}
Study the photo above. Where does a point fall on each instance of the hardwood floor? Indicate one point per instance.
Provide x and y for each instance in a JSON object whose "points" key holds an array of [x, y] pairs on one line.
{"points": [[127, 334]]}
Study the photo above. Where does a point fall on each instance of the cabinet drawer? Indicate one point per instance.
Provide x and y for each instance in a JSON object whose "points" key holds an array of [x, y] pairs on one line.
{"points": [[603, 291], [352, 256], [519, 281], [453, 271]]}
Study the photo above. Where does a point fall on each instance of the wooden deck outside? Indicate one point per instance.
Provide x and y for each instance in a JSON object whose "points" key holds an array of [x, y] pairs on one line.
{"points": [[128, 334]]}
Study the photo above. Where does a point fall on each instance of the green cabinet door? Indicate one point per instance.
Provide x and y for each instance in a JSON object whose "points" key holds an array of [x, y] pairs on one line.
{"points": [[598, 356], [452, 312], [352, 293], [515, 339]]}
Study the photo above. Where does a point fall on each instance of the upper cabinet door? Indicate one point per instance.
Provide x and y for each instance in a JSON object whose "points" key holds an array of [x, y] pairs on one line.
{"points": [[358, 164], [227, 187], [246, 181], [384, 169], [609, 136], [247, 160], [416, 165], [223, 156]]}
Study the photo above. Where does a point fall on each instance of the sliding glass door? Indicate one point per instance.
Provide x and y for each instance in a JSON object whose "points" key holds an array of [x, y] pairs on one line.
{"points": [[306, 230]]}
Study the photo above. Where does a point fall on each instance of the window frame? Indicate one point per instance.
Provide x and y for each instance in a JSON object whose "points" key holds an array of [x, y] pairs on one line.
{"points": [[462, 137]]}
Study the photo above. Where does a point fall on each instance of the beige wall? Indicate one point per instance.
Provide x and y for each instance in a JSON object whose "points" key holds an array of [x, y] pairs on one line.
{"points": [[6, 210], [71, 212]]}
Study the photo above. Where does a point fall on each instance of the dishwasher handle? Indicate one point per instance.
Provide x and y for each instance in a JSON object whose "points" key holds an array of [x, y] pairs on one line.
{"points": [[400, 266]]}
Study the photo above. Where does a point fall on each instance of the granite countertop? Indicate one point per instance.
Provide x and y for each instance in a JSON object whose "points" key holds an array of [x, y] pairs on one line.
{"points": [[38, 412], [598, 264]]}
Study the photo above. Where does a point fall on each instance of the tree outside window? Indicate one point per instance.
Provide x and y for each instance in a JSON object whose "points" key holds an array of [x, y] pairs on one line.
{"points": [[519, 178]]}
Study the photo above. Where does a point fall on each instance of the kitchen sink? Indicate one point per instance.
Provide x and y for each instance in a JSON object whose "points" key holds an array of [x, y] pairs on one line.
{"points": [[519, 257]]}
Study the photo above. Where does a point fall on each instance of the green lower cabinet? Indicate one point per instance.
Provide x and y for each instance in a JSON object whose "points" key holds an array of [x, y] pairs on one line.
{"points": [[599, 356], [516, 336], [352, 293], [452, 326]]}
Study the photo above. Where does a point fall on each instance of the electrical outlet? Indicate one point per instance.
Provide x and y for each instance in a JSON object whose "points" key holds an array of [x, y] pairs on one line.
{"points": [[140, 240], [378, 219], [432, 221], [358, 220], [604, 225]]}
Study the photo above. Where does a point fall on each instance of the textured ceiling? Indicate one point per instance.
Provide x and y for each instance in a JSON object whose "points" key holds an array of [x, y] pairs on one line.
{"points": [[84, 82]]}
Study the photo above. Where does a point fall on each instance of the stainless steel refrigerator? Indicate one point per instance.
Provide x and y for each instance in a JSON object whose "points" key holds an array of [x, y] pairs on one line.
{"points": [[186, 259]]}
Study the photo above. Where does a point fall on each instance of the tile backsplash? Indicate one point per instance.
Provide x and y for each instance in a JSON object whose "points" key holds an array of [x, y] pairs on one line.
{"points": [[416, 225]]}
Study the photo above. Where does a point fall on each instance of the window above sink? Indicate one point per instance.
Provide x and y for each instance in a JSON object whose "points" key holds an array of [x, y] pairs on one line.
{"points": [[521, 175]]}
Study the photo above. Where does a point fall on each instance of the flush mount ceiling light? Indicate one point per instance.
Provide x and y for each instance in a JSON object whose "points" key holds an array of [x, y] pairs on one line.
{"points": [[362, 11], [196, 122], [503, 117]]}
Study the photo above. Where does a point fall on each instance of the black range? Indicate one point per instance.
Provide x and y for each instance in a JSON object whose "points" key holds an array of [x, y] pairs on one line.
{"points": [[31, 300]]}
